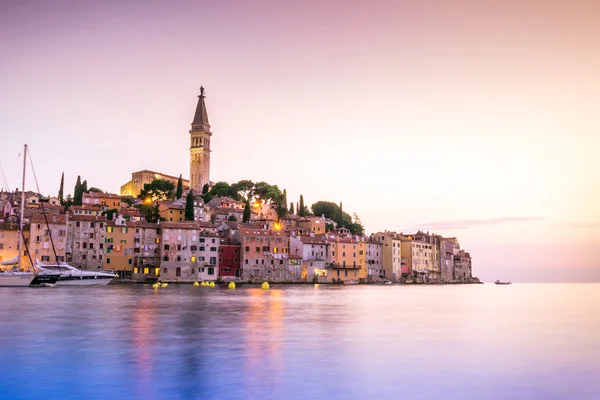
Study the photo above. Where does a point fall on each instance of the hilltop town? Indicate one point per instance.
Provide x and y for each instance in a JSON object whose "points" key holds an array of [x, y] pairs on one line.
{"points": [[165, 227]]}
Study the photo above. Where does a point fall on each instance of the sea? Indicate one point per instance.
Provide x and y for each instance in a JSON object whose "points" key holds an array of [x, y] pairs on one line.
{"points": [[519, 341]]}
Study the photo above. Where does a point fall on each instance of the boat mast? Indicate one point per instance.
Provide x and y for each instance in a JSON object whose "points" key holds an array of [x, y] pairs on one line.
{"points": [[19, 238]]}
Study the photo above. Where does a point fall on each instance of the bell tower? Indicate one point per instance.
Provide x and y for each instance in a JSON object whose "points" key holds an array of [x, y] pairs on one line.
{"points": [[200, 147]]}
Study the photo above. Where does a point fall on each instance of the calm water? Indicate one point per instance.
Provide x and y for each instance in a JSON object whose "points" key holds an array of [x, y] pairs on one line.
{"points": [[525, 341]]}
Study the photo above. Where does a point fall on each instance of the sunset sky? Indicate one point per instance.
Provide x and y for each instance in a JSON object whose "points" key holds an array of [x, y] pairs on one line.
{"points": [[475, 119]]}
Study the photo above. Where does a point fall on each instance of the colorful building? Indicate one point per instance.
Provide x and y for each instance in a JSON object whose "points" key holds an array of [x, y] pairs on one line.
{"points": [[119, 247], [86, 241], [391, 254], [230, 256]]}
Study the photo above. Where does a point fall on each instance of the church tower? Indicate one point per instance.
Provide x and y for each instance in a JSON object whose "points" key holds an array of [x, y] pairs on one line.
{"points": [[200, 147]]}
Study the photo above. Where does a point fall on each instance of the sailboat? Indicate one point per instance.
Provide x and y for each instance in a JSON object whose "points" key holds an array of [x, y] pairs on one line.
{"points": [[15, 277]]}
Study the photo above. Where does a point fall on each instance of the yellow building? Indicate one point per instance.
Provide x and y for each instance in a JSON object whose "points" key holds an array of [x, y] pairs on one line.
{"points": [[140, 178], [314, 225], [9, 233], [119, 244], [347, 259], [172, 211], [419, 252], [104, 200]]}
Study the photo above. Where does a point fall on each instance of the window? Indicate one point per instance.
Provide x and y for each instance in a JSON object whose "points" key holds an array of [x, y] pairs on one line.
{"points": [[164, 270], [166, 258], [235, 251], [107, 260], [45, 258], [213, 260], [220, 260], [167, 247], [211, 271], [258, 249], [77, 224], [85, 245], [178, 272], [247, 248], [213, 249], [202, 240], [130, 261], [92, 225], [193, 270]]}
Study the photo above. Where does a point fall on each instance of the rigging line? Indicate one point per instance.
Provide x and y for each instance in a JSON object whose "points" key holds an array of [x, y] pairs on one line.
{"points": [[43, 210], [4, 177], [27, 251]]}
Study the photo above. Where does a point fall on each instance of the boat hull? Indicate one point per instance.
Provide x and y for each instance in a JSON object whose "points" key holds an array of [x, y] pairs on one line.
{"points": [[83, 281], [16, 280]]}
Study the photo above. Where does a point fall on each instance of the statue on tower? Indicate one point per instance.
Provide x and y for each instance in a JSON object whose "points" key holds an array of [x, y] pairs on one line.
{"points": [[202, 91]]}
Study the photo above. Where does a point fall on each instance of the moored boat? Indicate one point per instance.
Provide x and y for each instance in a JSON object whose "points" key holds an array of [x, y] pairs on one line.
{"points": [[498, 282], [72, 276], [351, 282]]}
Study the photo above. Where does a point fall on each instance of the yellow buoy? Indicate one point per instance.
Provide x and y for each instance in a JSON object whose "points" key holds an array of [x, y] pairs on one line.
{"points": [[212, 284], [202, 283], [265, 285], [155, 286], [164, 285], [231, 285], [196, 284]]}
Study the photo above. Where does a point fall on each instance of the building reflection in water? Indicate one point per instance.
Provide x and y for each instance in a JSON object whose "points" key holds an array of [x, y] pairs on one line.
{"points": [[264, 335], [143, 334]]}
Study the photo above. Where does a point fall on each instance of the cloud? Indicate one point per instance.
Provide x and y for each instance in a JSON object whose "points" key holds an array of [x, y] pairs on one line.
{"points": [[578, 225], [470, 223]]}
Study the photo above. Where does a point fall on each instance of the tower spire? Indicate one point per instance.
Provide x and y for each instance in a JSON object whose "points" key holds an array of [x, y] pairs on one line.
{"points": [[201, 117]]}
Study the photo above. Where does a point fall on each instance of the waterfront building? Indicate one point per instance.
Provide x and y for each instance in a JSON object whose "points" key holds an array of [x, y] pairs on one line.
{"points": [[140, 178], [264, 254], [119, 246], [40, 245], [9, 234], [92, 210], [230, 256], [86, 241], [146, 251], [313, 250], [345, 261], [419, 253], [374, 260], [189, 251], [200, 147], [391, 254], [449, 249], [462, 267]]}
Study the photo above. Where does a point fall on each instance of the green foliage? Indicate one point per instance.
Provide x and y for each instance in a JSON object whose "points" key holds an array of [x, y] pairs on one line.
{"points": [[189, 206], [61, 190], [128, 200], [284, 197], [68, 202], [150, 212], [301, 207], [78, 192], [158, 189], [335, 213], [205, 189], [221, 189], [109, 214], [179, 191], [232, 218], [329, 227], [292, 207], [244, 189], [246, 217], [84, 187], [94, 190]]}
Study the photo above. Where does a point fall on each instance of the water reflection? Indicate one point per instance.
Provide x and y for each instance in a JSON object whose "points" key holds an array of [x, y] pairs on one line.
{"points": [[301, 342]]}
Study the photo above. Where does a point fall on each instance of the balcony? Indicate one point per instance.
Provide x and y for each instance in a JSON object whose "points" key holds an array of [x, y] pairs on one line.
{"points": [[338, 266]]}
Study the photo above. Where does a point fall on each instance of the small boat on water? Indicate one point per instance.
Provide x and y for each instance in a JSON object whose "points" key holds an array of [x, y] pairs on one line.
{"points": [[72, 276], [351, 282], [498, 282]]}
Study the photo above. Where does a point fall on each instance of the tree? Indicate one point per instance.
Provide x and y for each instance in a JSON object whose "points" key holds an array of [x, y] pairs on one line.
{"points": [[246, 212], [179, 191], [301, 207], [78, 192], [205, 189], [150, 212], [281, 209], [61, 189], [292, 207], [95, 190], [84, 188], [189, 206], [244, 189], [221, 189], [232, 218], [284, 197], [68, 202], [158, 189], [110, 213]]}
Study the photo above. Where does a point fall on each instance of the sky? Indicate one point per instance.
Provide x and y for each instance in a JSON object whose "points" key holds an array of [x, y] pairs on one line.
{"points": [[474, 119]]}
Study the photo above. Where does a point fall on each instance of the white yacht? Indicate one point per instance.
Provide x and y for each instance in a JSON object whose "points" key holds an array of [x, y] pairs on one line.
{"points": [[16, 278], [71, 276]]}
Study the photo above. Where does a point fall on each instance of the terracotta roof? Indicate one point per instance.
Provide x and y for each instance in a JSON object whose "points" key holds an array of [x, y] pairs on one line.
{"points": [[261, 232], [128, 224], [96, 195], [52, 218], [77, 217], [187, 225], [313, 240], [230, 242]]}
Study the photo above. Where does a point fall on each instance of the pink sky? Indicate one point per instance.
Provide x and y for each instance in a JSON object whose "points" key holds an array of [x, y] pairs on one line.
{"points": [[467, 118]]}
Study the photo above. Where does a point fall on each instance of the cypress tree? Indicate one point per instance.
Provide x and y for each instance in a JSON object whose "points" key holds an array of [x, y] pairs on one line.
{"points": [[284, 197], [61, 190], [179, 191], [247, 212], [84, 188], [189, 206], [292, 207], [77, 193], [301, 212]]}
